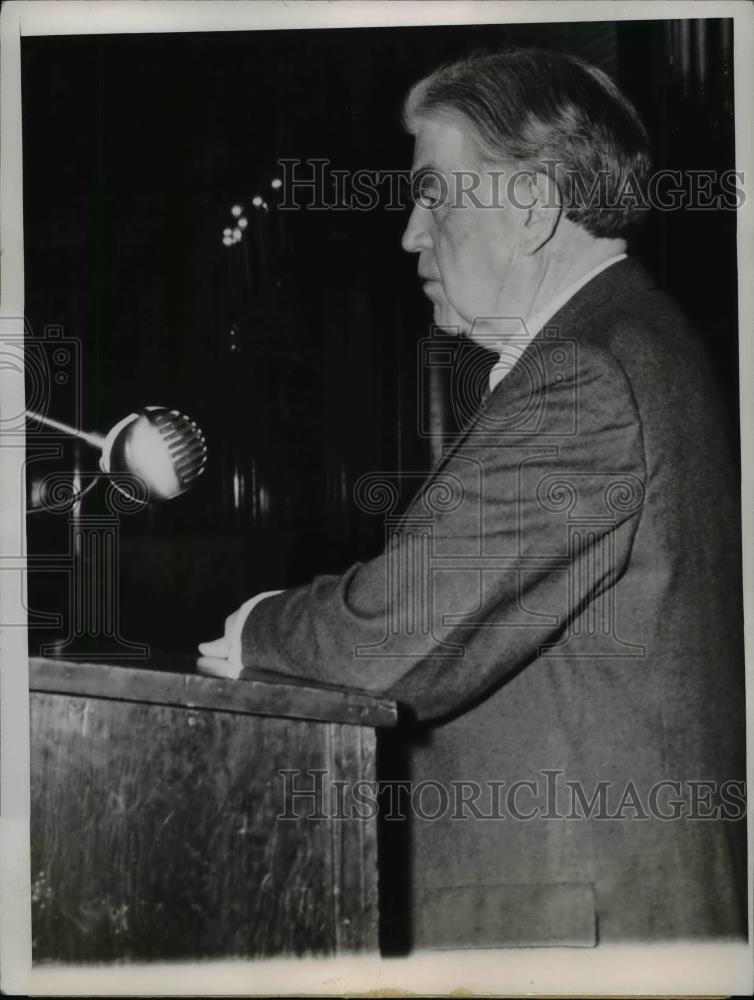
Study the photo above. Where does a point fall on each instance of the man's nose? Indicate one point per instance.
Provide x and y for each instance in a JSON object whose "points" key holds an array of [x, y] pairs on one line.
{"points": [[416, 236]]}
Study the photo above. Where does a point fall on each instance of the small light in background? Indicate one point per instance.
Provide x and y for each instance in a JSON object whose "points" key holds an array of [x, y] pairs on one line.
{"points": [[264, 500], [227, 241], [243, 222], [265, 206], [276, 183], [236, 211], [226, 232], [257, 201], [236, 234]]}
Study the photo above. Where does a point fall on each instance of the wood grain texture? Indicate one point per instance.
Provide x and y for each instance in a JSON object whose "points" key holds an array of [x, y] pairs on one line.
{"points": [[155, 835], [173, 681], [351, 757]]}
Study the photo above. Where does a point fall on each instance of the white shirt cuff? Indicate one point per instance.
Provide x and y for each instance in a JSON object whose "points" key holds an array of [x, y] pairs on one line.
{"points": [[234, 644]]}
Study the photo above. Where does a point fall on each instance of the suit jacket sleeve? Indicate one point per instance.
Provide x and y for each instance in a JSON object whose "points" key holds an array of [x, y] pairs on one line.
{"points": [[531, 517]]}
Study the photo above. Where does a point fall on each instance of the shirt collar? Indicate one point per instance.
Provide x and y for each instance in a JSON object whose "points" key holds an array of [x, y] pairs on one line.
{"points": [[511, 351]]}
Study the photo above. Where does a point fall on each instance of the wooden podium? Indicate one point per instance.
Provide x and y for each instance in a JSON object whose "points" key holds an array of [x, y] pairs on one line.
{"points": [[163, 824]]}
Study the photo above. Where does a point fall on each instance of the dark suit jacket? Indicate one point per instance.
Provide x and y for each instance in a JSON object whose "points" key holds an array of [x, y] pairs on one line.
{"points": [[562, 596]]}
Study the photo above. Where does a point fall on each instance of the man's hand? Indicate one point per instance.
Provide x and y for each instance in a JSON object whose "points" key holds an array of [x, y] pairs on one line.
{"points": [[223, 649], [223, 656]]}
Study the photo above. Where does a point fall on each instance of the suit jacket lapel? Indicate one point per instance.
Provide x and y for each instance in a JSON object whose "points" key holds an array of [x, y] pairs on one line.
{"points": [[625, 279]]}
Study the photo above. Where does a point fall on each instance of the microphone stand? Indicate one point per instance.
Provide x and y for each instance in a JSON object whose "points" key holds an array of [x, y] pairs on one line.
{"points": [[91, 563], [162, 450], [95, 440]]}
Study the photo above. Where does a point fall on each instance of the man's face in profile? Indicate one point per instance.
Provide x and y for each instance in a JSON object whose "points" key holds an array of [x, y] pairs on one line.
{"points": [[467, 242]]}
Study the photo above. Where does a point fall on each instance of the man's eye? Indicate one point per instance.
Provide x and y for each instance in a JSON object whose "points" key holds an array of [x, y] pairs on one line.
{"points": [[427, 191]]}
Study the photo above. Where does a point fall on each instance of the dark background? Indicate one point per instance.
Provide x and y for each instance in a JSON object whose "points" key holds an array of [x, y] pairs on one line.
{"points": [[135, 147]]}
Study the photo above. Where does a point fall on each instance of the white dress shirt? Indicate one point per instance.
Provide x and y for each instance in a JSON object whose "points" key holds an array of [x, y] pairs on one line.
{"points": [[521, 333]]}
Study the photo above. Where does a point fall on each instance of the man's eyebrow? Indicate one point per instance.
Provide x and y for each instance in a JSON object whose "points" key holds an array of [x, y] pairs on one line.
{"points": [[424, 168]]}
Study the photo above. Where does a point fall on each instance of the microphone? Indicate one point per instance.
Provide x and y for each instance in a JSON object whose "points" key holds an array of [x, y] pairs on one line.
{"points": [[164, 447]]}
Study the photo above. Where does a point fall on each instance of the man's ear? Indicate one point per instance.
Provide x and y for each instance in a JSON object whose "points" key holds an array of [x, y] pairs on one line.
{"points": [[544, 211]]}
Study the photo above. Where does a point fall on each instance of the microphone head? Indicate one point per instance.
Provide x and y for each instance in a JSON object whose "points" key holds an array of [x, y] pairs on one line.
{"points": [[164, 447]]}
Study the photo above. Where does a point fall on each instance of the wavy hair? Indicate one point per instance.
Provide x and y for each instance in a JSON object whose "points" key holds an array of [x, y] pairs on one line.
{"points": [[551, 112]]}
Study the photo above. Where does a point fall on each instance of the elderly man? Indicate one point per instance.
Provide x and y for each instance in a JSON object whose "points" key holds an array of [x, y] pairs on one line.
{"points": [[560, 607]]}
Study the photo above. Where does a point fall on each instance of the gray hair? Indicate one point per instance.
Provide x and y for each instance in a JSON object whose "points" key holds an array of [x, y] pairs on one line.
{"points": [[550, 112]]}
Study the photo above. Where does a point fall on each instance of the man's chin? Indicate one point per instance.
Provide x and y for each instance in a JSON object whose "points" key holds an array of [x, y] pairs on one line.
{"points": [[446, 318]]}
